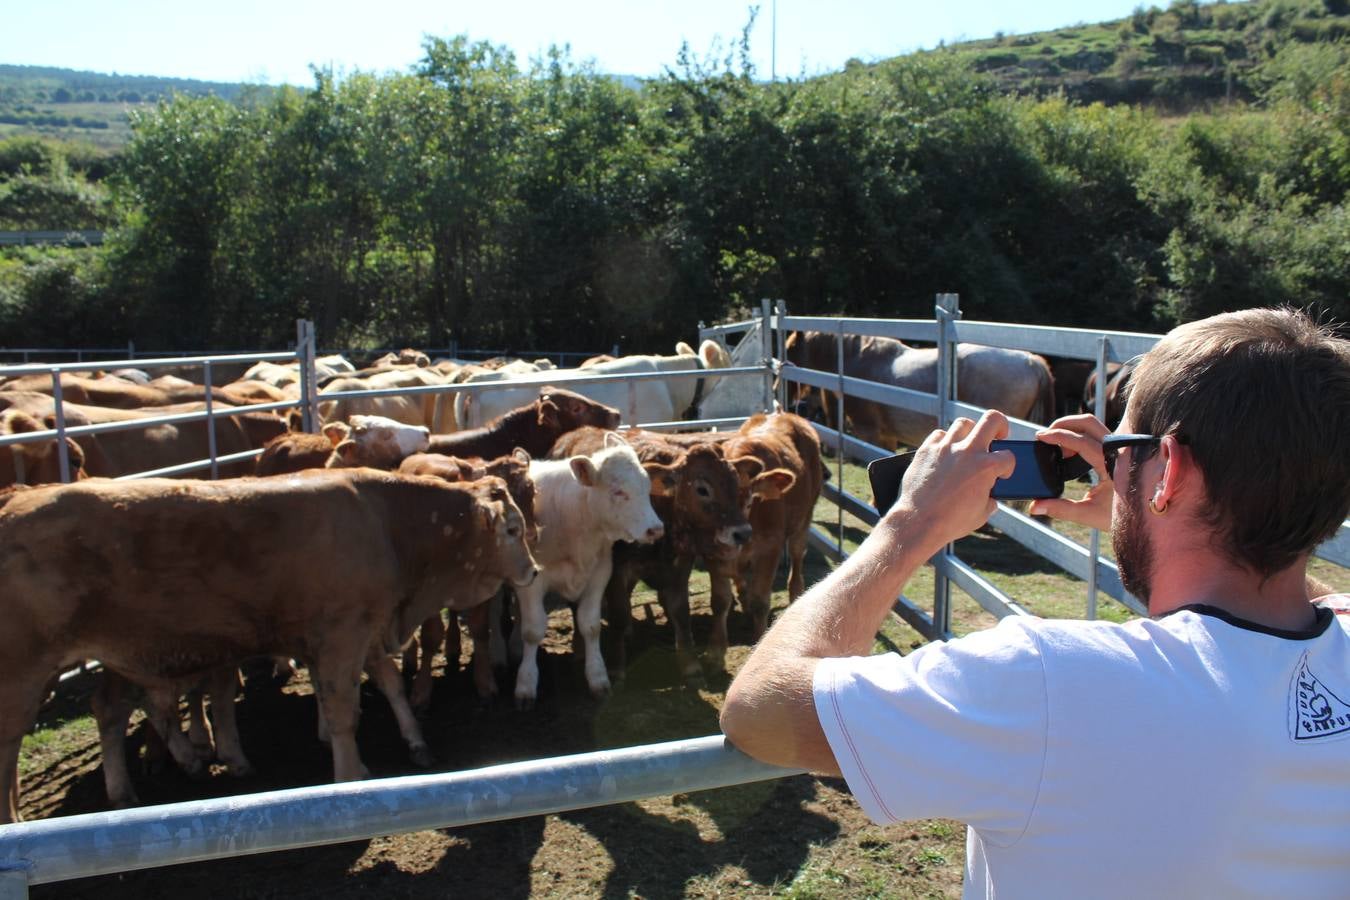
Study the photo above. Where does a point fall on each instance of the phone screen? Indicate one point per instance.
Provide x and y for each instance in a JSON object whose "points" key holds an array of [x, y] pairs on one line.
{"points": [[1038, 473], [885, 475]]}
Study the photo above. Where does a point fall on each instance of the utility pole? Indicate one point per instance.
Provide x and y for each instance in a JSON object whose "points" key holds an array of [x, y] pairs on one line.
{"points": [[773, 40]]}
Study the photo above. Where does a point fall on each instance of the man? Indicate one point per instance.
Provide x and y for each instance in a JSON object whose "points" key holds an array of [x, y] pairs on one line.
{"points": [[1203, 752]]}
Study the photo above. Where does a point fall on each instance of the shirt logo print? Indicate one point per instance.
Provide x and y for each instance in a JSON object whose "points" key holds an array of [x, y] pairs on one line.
{"points": [[1316, 711]]}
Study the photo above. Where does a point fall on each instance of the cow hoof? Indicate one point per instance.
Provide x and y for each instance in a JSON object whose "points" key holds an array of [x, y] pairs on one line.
{"points": [[421, 756], [524, 704], [601, 691]]}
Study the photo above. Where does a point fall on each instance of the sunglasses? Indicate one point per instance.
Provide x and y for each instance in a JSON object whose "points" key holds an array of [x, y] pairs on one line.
{"points": [[1112, 444]]}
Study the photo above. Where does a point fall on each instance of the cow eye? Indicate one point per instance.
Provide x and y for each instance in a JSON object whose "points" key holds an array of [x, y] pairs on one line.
{"points": [[702, 491], [621, 495], [513, 531]]}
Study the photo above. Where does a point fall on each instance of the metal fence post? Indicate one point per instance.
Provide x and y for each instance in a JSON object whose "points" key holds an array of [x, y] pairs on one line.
{"points": [[210, 421], [781, 334], [946, 311], [766, 351], [839, 424], [62, 451], [1095, 538], [13, 884], [304, 353]]}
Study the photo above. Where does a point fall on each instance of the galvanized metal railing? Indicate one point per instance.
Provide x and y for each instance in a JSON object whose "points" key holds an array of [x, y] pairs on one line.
{"points": [[105, 843]]}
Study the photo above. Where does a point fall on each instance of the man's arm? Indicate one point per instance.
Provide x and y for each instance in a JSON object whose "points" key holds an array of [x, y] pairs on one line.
{"points": [[770, 711]]}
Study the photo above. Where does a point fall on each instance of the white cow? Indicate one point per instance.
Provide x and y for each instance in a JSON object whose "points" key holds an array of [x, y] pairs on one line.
{"points": [[413, 409], [280, 376], [652, 400], [582, 506]]}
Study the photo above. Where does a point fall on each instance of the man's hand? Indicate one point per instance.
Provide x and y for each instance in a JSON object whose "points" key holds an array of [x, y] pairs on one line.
{"points": [[1080, 436]]}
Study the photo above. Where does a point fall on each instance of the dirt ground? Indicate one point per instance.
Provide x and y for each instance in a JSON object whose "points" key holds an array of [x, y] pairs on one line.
{"points": [[797, 837]]}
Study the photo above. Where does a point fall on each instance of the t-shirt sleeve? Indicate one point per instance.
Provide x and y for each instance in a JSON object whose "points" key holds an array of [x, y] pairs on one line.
{"points": [[954, 730]]}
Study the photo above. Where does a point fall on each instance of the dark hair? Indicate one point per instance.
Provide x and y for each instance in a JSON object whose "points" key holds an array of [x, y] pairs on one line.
{"points": [[1262, 396]]}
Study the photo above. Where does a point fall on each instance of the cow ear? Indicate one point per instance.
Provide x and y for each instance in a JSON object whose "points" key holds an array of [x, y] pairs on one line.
{"points": [[548, 414], [584, 470], [773, 484], [683, 349], [521, 455], [714, 357], [614, 439], [747, 467], [337, 432], [76, 460], [488, 514], [665, 479], [346, 450]]}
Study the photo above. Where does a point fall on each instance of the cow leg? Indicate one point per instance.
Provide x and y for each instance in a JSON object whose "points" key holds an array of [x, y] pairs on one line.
{"points": [[429, 639], [381, 669], [223, 687], [454, 641], [199, 727], [722, 599], [161, 708], [587, 618], [797, 556], [112, 711], [758, 592], [21, 696], [674, 596], [479, 620], [619, 614], [337, 687], [533, 628]]}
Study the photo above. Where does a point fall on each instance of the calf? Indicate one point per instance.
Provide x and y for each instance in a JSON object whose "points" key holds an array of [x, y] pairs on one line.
{"points": [[100, 569], [372, 441], [584, 504], [515, 471], [779, 441], [533, 427]]}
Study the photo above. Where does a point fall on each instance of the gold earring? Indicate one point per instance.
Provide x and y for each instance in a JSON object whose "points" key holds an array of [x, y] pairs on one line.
{"points": [[1153, 505]]}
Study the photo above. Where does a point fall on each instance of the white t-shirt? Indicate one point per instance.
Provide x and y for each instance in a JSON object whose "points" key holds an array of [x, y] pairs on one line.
{"points": [[1192, 756]]}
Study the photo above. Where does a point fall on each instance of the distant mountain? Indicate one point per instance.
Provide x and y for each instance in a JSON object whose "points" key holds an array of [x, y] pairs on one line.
{"points": [[47, 84]]}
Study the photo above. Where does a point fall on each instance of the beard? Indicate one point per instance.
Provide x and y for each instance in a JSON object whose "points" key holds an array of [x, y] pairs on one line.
{"points": [[1132, 545]]}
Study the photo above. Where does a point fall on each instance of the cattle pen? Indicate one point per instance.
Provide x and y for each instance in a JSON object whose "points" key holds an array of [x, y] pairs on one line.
{"points": [[100, 843]]}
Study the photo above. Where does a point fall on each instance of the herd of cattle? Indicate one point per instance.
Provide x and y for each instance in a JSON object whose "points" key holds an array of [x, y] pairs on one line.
{"points": [[344, 549]]}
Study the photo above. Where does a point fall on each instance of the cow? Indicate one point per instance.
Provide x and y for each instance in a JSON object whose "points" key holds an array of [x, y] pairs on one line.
{"points": [[117, 453], [433, 633], [289, 375], [1014, 382], [34, 462], [647, 400], [1117, 391], [583, 504], [413, 409], [165, 580], [702, 502], [533, 426], [116, 393], [361, 441], [405, 357], [777, 441]]}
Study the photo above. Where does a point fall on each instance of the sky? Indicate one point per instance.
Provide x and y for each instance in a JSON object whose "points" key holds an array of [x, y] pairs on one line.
{"points": [[276, 42]]}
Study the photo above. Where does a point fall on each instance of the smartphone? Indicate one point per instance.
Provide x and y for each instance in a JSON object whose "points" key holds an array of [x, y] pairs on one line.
{"points": [[1039, 472], [885, 474]]}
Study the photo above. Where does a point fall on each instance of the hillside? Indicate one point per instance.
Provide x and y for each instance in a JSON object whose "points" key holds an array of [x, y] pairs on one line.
{"points": [[89, 106], [1181, 58]]}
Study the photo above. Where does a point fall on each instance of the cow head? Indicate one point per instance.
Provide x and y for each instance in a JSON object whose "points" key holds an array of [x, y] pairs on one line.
{"points": [[513, 469], [618, 492], [502, 528], [36, 462], [757, 483], [705, 494], [375, 441], [567, 411]]}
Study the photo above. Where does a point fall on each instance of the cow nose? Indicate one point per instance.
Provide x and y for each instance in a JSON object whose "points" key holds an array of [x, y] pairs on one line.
{"points": [[741, 535], [654, 534]]}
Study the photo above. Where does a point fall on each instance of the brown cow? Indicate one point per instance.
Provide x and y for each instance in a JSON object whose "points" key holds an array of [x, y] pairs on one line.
{"points": [[165, 580], [533, 427], [35, 462], [434, 633], [361, 441], [115, 393], [778, 441], [702, 501]]}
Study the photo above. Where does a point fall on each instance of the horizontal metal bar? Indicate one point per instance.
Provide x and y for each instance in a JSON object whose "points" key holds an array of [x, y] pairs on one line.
{"points": [[690, 424], [854, 448], [1019, 429], [1077, 343], [184, 468], [556, 377], [220, 412], [888, 394], [103, 843], [854, 506], [45, 368], [822, 542], [915, 617], [977, 586], [901, 329]]}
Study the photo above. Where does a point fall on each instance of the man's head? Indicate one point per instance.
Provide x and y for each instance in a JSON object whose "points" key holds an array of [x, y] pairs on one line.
{"points": [[1261, 400]]}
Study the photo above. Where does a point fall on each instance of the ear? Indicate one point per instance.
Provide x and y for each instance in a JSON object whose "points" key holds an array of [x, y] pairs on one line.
{"points": [[584, 470], [683, 349], [714, 357], [521, 456], [747, 467], [548, 414], [337, 432], [665, 479], [614, 439], [772, 484], [76, 460], [488, 513], [346, 450]]}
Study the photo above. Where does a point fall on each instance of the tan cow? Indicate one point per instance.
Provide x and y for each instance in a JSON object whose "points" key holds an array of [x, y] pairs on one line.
{"points": [[166, 580]]}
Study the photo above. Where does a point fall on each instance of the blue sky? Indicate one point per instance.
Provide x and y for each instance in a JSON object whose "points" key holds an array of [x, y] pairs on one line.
{"points": [[276, 42]]}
